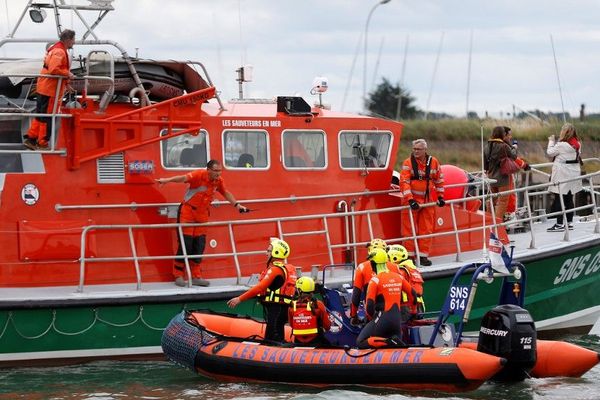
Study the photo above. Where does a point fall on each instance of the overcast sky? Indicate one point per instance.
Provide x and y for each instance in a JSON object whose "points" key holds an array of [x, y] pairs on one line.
{"points": [[289, 42]]}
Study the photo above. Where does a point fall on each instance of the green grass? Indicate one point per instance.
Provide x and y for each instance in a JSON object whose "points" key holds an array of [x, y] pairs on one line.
{"points": [[461, 129], [458, 141]]}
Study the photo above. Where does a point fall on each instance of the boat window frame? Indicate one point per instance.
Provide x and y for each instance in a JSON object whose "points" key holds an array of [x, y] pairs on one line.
{"points": [[379, 131], [325, 149], [268, 150], [206, 140]]}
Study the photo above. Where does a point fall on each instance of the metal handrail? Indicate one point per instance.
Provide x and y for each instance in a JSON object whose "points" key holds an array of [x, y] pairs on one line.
{"points": [[54, 114], [331, 246]]}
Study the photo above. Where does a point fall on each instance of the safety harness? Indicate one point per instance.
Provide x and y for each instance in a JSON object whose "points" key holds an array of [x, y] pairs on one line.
{"points": [[415, 173]]}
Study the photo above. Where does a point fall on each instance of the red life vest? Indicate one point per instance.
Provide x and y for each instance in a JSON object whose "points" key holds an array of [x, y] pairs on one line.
{"points": [[304, 322], [416, 281], [284, 293]]}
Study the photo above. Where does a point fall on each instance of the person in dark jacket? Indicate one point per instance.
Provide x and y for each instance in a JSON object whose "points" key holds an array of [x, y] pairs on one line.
{"points": [[496, 150]]}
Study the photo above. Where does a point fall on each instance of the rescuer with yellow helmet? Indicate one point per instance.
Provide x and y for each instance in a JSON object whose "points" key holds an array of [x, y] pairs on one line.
{"points": [[308, 316], [275, 288], [365, 271], [399, 256], [385, 308]]}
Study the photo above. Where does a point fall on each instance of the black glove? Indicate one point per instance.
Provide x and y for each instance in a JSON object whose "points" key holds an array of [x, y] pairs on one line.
{"points": [[526, 167], [440, 201], [413, 204]]}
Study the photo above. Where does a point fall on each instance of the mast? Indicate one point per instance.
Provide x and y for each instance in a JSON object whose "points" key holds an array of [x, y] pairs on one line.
{"points": [[558, 80], [469, 74], [401, 84], [435, 67]]}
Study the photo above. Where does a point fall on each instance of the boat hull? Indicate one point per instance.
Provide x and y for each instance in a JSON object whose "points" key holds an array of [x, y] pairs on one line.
{"points": [[53, 335], [561, 291]]}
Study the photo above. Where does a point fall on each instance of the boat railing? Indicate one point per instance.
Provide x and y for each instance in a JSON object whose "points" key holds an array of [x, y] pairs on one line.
{"points": [[347, 216], [55, 115]]}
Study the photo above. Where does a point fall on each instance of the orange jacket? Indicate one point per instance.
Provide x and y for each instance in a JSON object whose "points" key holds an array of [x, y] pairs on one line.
{"points": [[385, 290], [418, 187], [201, 190], [56, 62], [277, 284], [362, 276]]}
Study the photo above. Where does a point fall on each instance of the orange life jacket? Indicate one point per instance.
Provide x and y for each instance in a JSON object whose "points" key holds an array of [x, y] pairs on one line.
{"points": [[284, 293], [304, 321], [420, 179]]}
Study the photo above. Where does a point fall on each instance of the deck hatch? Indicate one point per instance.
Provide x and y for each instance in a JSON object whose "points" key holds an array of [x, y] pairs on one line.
{"points": [[111, 169]]}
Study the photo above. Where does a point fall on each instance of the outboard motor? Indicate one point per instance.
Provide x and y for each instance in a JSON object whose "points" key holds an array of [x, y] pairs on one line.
{"points": [[508, 331]]}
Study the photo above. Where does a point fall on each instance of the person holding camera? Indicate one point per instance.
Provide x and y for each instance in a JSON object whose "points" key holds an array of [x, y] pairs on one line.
{"points": [[202, 184], [566, 166], [421, 181]]}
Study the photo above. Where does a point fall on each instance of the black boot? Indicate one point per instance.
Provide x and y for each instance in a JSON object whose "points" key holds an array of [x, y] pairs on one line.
{"points": [[425, 262]]}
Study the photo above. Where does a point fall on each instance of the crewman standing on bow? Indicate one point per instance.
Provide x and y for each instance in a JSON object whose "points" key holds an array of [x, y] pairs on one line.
{"points": [[56, 62]]}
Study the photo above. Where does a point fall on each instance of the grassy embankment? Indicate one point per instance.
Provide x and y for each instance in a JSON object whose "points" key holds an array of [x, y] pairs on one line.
{"points": [[458, 141]]}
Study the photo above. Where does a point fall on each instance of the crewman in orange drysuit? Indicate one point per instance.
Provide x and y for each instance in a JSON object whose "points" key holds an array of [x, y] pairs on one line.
{"points": [[56, 62], [399, 256], [308, 316], [195, 209], [276, 288], [385, 309], [421, 181], [363, 274]]}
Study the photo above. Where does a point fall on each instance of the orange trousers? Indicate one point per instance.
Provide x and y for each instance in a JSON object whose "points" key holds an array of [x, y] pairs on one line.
{"points": [[424, 219], [511, 207], [41, 127]]}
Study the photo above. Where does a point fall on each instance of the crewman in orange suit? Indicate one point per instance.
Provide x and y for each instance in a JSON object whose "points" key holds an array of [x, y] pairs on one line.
{"points": [[363, 274], [56, 62], [399, 256], [275, 288], [385, 309], [421, 181], [308, 316], [195, 208]]}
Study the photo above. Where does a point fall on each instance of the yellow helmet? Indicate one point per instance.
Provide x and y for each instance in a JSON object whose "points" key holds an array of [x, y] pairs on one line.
{"points": [[378, 256], [280, 249], [305, 284], [376, 244], [397, 253]]}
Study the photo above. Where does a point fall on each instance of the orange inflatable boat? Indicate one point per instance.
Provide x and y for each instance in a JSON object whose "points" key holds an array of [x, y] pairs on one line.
{"points": [[429, 355], [220, 346]]}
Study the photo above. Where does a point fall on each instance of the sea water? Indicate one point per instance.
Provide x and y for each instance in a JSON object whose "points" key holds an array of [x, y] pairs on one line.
{"points": [[122, 380]]}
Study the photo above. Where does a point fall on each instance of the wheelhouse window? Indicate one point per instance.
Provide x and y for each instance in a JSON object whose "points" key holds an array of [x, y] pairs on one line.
{"points": [[364, 149], [245, 149], [184, 151], [304, 149]]}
